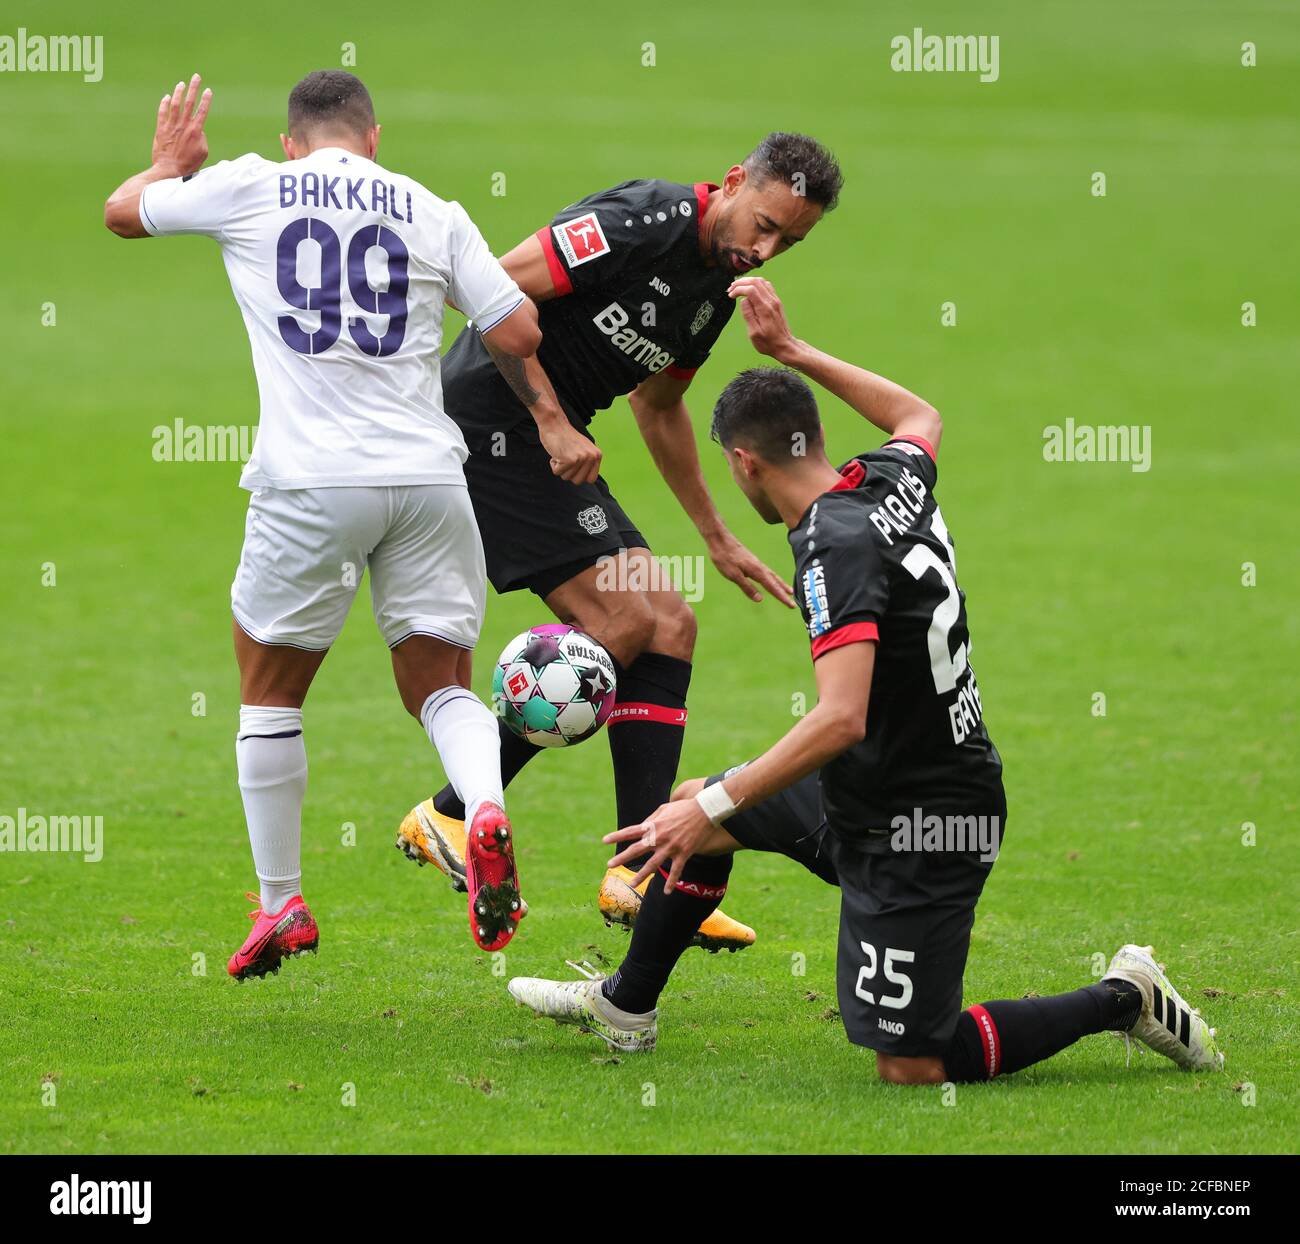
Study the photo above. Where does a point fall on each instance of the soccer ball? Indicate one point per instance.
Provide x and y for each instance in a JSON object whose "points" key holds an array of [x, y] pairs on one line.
{"points": [[553, 685]]}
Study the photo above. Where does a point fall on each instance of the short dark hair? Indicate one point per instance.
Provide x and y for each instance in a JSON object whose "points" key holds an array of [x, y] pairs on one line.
{"points": [[802, 163], [769, 410], [331, 98]]}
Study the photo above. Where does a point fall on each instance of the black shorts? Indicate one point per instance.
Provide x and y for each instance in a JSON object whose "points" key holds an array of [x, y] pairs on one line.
{"points": [[905, 920], [538, 530]]}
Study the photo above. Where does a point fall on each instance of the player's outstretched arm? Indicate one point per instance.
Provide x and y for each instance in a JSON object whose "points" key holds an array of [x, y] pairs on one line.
{"points": [[685, 826], [889, 406], [179, 148], [665, 425]]}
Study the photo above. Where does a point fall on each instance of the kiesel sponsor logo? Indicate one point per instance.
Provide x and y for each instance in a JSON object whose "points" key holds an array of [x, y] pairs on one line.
{"points": [[814, 595]]}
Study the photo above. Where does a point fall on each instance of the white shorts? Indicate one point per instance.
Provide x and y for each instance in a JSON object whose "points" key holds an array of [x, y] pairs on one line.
{"points": [[305, 550]]}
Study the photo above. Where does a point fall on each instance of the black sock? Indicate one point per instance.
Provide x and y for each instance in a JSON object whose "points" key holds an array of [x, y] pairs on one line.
{"points": [[664, 928], [997, 1038], [515, 753], [645, 733]]}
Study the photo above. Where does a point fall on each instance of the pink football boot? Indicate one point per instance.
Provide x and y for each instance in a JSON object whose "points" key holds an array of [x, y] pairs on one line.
{"points": [[495, 907], [291, 931]]}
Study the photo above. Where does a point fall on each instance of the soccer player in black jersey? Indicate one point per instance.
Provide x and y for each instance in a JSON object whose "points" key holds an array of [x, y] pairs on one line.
{"points": [[631, 285], [890, 787]]}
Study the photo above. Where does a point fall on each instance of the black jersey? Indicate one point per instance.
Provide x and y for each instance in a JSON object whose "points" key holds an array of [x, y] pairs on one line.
{"points": [[874, 560], [633, 299]]}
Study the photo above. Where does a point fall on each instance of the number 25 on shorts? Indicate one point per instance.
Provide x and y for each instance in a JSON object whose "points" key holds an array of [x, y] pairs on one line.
{"points": [[868, 972]]}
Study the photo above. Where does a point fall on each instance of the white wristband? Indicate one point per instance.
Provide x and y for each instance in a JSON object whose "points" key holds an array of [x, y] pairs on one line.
{"points": [[715, 803]]}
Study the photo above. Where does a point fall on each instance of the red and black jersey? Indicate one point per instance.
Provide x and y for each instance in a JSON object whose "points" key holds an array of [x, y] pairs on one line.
{"points": [[874, 561], [633, 299]]}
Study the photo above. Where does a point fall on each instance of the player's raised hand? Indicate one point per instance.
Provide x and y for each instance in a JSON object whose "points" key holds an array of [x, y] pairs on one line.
{"points": [[765, 321], [180, 146], [574, 457], [735, 562], [673, 834]]}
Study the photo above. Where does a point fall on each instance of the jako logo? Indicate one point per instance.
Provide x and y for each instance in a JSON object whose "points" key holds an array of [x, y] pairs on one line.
{"points": [[103, 1196]]}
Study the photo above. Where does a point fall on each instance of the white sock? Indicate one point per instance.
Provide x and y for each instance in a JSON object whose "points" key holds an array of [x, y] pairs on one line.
{"points": [[464, 731], [272, 764]]}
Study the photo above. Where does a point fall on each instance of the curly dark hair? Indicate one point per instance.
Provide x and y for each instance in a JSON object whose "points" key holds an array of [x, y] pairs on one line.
{"points": [[801, 162], [333, 99]]}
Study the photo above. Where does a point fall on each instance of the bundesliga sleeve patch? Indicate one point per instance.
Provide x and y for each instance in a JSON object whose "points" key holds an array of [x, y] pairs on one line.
{"points": [[581, 240]]}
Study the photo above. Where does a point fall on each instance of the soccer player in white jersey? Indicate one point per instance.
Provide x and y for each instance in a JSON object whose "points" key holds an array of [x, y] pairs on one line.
{"points": [[341, 269]]}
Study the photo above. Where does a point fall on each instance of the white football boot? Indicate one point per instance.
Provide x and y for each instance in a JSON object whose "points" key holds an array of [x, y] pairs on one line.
{"points": [[582, 1003], [1167, 1024]]}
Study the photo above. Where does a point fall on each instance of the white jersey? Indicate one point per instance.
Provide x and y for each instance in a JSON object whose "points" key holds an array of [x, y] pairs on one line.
{"points": [[341, 270]]}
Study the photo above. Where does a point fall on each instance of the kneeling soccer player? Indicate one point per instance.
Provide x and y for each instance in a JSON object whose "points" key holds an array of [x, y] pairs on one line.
{"points": [[890, 787]]}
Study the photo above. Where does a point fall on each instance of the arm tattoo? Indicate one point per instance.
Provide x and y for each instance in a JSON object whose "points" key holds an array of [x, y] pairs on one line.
{"points": [[512, 369]]}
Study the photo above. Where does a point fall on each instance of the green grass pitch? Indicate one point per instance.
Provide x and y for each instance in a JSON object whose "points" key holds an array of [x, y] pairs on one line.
{"points": [[1082, 579]]}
